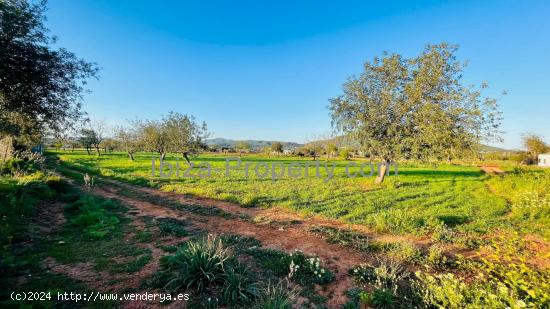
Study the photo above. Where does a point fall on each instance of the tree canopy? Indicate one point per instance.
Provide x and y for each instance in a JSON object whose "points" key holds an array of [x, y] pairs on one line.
{"points": [[415, 108], [40, 85], [534, 144]]}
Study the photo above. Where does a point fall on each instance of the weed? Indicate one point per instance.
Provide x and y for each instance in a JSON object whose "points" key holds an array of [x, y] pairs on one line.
{"points": [[238, 286], [171, 227], [197, 265], [276, 296], [405, 251], [436, 259], [346, 238]]}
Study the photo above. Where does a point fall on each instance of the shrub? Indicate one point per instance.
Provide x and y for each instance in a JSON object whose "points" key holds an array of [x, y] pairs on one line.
{"points": [[344, 154], [197, 265], [500, 282], [22, 163], [276, 297], [436, 259], [405, 251], [238, 286]]}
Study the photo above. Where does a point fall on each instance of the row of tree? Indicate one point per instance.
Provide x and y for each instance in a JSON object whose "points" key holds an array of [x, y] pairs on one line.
{"points": [[175, 132]]}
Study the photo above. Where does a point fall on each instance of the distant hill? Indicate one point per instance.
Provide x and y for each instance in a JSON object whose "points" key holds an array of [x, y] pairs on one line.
{"points": [[487, 148], [256, 144]]}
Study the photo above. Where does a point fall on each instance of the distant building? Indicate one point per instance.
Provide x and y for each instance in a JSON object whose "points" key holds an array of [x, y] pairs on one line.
{"points": [[544, 160]]}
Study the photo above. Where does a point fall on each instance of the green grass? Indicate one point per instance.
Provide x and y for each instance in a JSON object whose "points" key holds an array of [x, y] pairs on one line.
{"points": [[419, 200], [93, 233]]}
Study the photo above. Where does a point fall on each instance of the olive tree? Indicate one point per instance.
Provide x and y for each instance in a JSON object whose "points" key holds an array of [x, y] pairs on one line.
{"points": [[152, 137], [416, 108], [183, 134], [242, 146], [40, 85], [277, 147], [128, 140]]}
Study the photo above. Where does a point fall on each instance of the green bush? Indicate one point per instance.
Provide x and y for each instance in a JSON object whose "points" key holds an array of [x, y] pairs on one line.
{"points": [[405, 251], [22, 163], [436, 259], [238, 286], [197, 265]]}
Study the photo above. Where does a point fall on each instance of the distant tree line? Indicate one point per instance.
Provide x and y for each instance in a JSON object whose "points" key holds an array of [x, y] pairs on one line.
{"points": [[174, 133]]}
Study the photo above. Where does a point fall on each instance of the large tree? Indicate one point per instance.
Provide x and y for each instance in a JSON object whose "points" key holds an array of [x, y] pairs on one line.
{"points": [[40, 85], [415, 108], [183, 134], [152, 137]]}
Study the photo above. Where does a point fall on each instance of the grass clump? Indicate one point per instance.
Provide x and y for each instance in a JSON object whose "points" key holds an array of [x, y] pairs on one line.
{"points": [[346, 238], [276, 296], [238, 286], [210, 269], [197, 265], [94, 216], [171, 227]]}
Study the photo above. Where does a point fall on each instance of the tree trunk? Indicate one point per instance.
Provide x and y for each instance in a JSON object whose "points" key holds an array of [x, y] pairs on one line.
{"points": [[131, 155], [186, 157], [381, 173], [88, 150], [97, 150], [6, 145], [162, 155]]}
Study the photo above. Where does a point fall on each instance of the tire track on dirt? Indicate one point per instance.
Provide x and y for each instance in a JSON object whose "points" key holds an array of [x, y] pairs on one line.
{"points": [[337, 258]]}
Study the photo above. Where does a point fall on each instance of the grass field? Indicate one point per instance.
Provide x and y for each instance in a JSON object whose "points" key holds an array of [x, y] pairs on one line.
{"points": [[445, 237], [422, 199]]}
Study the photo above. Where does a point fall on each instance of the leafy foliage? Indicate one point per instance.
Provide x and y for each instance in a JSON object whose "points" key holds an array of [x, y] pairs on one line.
{"points": [[415, 108], [39, 85]]}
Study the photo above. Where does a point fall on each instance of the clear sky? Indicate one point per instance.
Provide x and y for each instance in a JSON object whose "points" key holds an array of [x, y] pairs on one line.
{"points": [[265, 70]]}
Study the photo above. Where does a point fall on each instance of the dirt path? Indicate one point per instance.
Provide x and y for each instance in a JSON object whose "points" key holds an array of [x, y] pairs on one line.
{"points": [[275, 216], [492, 170], [289, 238]]}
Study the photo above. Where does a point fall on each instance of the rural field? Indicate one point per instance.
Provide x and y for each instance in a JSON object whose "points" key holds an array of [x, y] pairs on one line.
{"points": [[274, 154], [413, 239]]}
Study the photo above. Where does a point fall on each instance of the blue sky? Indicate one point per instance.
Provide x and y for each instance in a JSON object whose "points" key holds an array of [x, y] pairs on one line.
{"points": [[265, 70]]}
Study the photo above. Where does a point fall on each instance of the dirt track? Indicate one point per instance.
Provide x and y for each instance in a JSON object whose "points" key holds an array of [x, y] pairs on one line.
{"points": [[491, 170], [285, 236]]}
